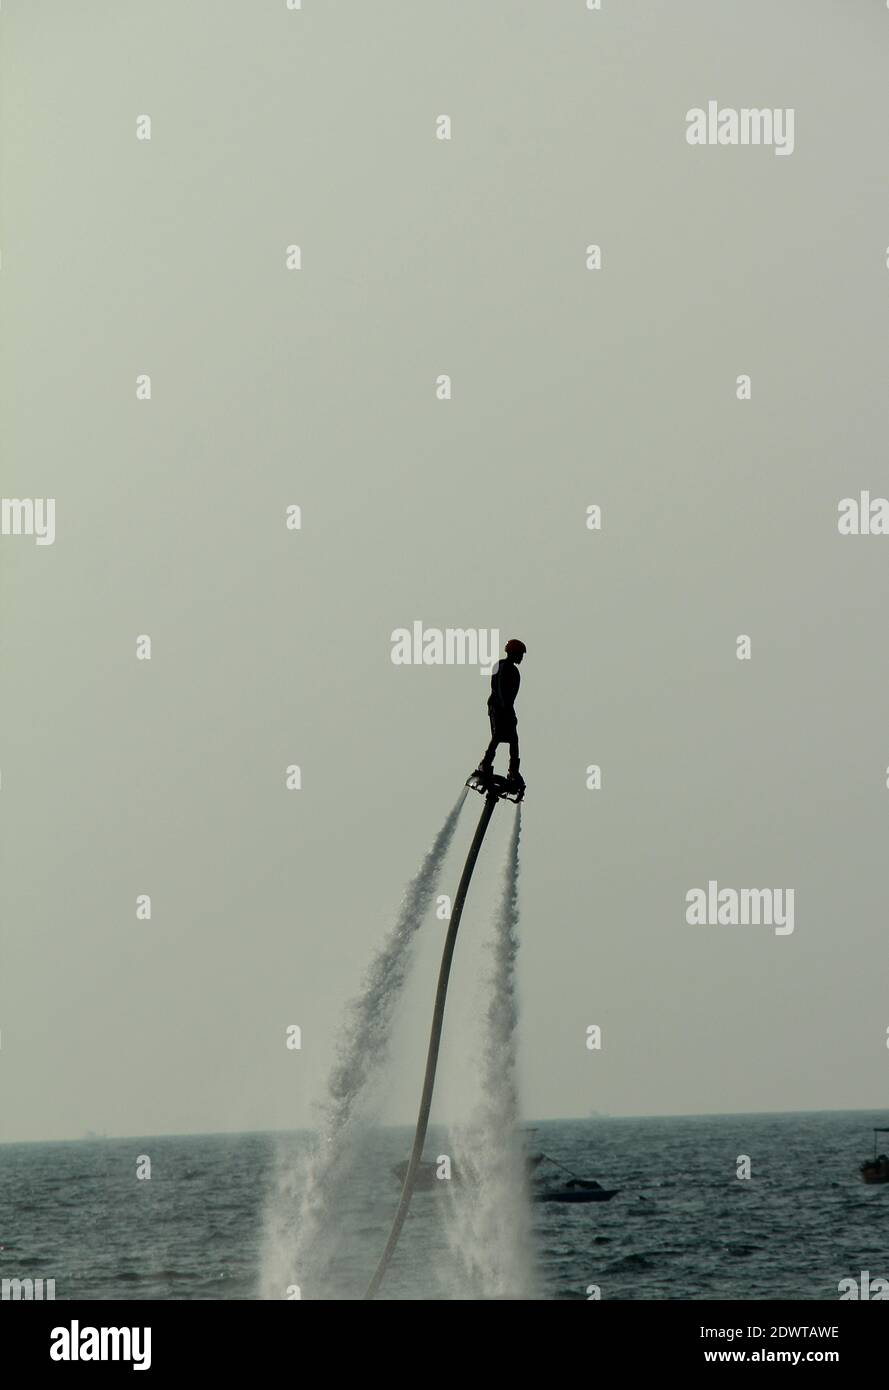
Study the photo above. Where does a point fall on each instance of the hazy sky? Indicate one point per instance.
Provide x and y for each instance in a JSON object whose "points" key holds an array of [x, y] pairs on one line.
{"points": [[316, 387]]}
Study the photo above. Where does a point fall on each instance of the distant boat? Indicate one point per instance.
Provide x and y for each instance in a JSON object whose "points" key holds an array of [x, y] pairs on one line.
{"points": [[876, 1169], [577, 1191]]}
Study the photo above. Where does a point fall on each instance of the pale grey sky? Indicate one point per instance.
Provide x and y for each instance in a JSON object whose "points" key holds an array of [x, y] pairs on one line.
{"points": [[570, 387]]}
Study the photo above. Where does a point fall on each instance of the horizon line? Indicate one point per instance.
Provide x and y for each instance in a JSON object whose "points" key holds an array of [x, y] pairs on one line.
{"points": [[524, 1122]]}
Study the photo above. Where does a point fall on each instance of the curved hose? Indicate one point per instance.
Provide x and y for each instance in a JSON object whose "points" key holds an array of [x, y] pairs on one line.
{"points": [[410, 1176]]}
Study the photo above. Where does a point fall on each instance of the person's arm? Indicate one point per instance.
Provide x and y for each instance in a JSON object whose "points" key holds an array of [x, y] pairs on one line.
{"points": [[509, 685]]}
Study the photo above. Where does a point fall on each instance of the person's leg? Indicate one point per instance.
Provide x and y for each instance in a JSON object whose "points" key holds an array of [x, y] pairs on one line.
{"points": [[488, 761], [513, 754], [490, 751]]}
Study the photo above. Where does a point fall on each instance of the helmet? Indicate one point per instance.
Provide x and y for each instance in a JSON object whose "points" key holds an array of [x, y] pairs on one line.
{"points": [[514, 645]]}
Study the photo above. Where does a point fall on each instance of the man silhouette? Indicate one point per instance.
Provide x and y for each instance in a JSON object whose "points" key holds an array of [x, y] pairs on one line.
{"points": [[505, 682]]}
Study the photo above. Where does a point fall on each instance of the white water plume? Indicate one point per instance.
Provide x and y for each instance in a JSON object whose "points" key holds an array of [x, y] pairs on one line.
{"points": [[299, 1239], [490, 1225]]}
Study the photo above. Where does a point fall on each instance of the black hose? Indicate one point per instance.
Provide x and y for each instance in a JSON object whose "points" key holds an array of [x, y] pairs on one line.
{"points": [[434, 1041]]}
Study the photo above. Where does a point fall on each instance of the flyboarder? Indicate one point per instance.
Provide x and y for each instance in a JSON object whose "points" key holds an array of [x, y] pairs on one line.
{"points": [[505, 683], [501, 711]]}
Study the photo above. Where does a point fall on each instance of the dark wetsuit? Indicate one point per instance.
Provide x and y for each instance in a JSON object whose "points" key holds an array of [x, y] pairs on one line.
{"points": [[505, 683]]}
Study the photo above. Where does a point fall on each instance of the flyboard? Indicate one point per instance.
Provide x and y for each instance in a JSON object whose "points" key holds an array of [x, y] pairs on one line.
{"points": [[493, 788]]}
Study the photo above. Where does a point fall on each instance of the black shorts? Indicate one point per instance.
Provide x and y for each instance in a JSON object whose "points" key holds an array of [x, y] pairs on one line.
{"points": [[503, 728]]}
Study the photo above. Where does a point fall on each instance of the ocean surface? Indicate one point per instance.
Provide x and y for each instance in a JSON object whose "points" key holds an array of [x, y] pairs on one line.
{"points": [[683, 1226]]}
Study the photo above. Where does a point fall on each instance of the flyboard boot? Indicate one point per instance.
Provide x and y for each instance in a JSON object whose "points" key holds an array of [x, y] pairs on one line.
{"points": [[482, 780], [514, 780]]}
